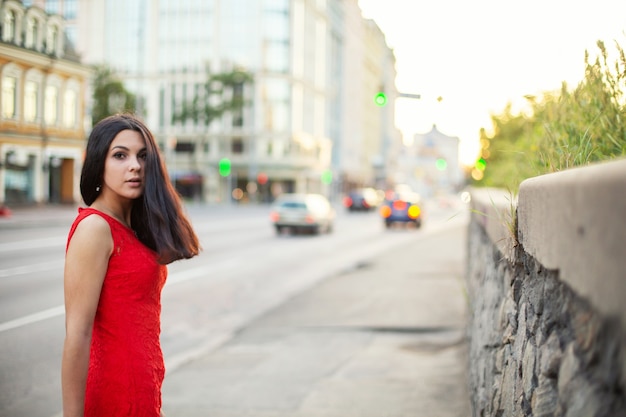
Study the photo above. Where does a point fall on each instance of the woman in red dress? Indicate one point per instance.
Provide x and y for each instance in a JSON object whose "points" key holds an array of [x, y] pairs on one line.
{"points": [[115, 267]]}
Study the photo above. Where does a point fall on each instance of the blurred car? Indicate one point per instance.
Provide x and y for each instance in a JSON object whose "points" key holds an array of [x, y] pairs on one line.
{"points": [[402, 208], [310, 213], [363, 199]]}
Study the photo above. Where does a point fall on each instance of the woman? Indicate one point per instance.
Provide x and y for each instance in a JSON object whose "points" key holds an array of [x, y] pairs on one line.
{"points": [[115, 269]]}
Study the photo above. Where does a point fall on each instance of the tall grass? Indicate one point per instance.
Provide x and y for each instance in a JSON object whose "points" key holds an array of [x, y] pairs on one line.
{"points": [[565, 129]]}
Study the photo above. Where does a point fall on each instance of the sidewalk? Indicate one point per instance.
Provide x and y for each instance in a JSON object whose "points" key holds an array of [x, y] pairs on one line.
{"points": [[385, 340]]}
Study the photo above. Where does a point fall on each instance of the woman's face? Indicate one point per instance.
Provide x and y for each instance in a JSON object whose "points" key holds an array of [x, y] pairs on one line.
{"points": [[124, 166]]}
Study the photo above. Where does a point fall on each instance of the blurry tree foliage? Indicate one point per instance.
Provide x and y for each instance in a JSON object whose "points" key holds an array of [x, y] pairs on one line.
{"points": [[561, 130], [109, 95], [220, 93]]}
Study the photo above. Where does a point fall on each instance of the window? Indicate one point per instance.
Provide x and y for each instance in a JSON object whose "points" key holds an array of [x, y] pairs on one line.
{"points": [[50, 105], [70, 32], [238, 97], [69, 108], [31, 32], [277, 56], [277, 5], [9, 97], [52, 39], [52, 6], [9, 26], [237, 146], [188, 147], [237, 118], [70, 8], [31, 101], [162, 107], [276, 113]]}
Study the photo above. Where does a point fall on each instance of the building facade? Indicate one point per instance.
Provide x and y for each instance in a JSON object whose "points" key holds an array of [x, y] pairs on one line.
{"points": [[42, 117], [369, 140], [430, 166], [309, 123]]}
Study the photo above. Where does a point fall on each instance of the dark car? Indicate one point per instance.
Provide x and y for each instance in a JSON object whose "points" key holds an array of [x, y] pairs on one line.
{"points": [[311, 213], [402, 208], [364, 199]]}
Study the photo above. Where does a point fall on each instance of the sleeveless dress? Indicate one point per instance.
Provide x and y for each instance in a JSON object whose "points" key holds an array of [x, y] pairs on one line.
{"points": [[126, 366]]}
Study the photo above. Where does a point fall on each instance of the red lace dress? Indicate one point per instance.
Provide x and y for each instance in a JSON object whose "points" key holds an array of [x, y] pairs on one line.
{"points": [[126, 367]]}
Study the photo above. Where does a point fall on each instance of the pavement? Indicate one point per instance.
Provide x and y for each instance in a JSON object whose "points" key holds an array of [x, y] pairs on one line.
{"points": [[387, 339]]}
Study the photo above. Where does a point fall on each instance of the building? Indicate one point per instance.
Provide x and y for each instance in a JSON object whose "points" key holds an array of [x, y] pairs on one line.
{"points": [[42, 118], [367, 147], [316, 65], [430, 166]]}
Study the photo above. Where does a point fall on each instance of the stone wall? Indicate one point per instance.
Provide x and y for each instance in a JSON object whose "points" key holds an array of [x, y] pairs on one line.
{"points": [[543, 341]]}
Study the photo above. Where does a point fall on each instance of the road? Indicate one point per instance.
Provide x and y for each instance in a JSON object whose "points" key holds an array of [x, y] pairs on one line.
{"points": [[243, 271]]}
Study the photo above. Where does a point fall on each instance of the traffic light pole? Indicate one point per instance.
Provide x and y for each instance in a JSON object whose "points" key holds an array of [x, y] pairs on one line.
{"points": [[409, 95]]}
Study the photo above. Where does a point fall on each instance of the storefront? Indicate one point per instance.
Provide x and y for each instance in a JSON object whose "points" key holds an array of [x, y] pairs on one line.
{"points": [[188, 184], [29, 176], [19, 178]]}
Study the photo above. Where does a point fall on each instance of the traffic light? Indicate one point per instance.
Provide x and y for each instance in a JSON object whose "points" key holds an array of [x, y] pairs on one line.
{"points": [[441, 164], [480, 164], [224, 167], [327, 177], [380, 99]]}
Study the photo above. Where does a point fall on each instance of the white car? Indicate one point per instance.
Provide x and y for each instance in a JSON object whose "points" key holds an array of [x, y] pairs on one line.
{"points": [[310, 213]]}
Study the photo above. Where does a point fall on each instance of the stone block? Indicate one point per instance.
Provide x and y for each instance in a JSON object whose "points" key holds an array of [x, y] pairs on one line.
{"points": [[529, 377], [550, 356], [570, 366], [545, 398]]}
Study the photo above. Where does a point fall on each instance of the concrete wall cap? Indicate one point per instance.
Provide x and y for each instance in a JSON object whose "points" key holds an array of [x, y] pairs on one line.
{"points": [[573, 221]]}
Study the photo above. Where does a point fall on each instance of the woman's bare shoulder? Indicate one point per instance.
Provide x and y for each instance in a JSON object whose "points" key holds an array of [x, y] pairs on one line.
{"points": [[93, 230]]}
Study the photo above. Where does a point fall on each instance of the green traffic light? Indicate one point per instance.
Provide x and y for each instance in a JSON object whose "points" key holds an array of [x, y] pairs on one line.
{"points": [[380, 99], [224, 167], [327, 177], [441, 164]]}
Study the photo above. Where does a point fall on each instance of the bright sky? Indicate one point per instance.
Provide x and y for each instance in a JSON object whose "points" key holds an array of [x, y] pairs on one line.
{"points": [[479, 55]]}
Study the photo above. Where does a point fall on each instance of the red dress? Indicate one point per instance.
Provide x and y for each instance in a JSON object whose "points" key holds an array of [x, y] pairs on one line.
{"points": [[126, 367]]}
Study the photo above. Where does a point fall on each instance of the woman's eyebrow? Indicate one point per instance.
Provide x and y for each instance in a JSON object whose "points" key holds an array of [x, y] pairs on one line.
{"points": [[127, 149]]}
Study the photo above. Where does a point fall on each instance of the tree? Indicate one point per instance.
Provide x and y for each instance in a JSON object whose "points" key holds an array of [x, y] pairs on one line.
{"points": [[563, 130], [509, 151], [109, 95], [221, 93]]}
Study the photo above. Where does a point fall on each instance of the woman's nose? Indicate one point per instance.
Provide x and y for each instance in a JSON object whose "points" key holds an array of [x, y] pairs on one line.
{"points": [[135, 164]]}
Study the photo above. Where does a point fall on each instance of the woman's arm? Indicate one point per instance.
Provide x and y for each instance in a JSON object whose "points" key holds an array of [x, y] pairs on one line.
{"points": [[86, 262]]}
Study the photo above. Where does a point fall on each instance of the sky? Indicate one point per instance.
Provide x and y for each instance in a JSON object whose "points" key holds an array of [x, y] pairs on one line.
{"points": [[479, 55]]}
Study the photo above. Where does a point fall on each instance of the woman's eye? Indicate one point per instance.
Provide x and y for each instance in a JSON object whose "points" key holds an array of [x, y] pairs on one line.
{"points": [[118, 155], [143, 156]]}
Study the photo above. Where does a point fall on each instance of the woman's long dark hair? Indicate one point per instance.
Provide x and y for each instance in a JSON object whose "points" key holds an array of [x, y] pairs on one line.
{"points": [[157, 216]]}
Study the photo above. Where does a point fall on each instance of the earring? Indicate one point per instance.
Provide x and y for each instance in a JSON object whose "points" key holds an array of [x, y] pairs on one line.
{"points": [[98, 189]]}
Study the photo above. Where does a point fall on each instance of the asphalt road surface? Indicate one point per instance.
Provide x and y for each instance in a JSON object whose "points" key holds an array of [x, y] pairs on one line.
{"points": [[245, 270]]}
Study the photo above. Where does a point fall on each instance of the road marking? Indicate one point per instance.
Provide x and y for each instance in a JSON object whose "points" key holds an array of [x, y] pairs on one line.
{"points": [[27, 269], [174, 278], [32, 318], [32, 244], [202, 271]]}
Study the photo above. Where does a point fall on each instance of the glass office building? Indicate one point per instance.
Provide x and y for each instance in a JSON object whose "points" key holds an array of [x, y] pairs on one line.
{"points": [[288, 134]]}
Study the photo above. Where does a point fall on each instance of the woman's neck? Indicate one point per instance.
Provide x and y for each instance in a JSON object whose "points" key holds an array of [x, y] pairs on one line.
{"points": [[120, 212]]}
